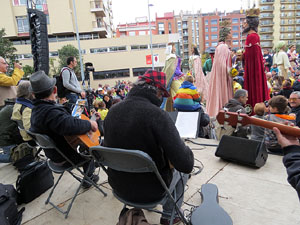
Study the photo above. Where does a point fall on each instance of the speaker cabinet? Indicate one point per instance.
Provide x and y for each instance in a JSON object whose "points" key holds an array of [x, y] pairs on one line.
{"points": [[243, 151]]}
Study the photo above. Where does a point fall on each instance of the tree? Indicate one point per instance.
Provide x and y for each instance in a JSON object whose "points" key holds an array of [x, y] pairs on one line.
{"points": [[53, 70], [65, 52], [28, 70], [7, 50]]}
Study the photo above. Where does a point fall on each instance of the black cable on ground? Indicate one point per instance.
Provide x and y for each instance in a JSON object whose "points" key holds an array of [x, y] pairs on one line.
{"points": [[197, 143]]}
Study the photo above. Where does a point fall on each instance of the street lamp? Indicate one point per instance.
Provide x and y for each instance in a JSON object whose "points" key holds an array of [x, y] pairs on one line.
{"points": [[150, 30]]}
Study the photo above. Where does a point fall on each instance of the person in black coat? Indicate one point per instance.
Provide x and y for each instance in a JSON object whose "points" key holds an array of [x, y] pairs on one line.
{"points": [[56, 122], [291, 159], [137, 122], [294, 102]]}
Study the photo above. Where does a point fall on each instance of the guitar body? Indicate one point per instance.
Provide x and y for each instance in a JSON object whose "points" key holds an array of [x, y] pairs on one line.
{"points": [[84, 140], [210, 212]]}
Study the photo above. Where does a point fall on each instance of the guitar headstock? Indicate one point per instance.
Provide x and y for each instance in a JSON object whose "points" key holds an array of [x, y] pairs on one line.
{"points": [[233, 118]]}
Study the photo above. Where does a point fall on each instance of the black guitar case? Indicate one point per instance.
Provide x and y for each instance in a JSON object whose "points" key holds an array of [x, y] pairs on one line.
{"points": [[210, 212]]}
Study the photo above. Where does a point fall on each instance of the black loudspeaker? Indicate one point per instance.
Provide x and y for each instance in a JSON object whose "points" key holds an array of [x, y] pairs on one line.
{"points": [[39, 40], [243, 151]]}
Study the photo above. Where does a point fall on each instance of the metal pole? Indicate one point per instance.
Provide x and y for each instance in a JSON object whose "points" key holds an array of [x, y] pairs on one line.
{"points": [[78, 41], [150, 30]]}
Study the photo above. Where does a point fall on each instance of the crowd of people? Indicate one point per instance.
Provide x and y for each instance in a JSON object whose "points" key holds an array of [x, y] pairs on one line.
{"points": [[134, 115]]}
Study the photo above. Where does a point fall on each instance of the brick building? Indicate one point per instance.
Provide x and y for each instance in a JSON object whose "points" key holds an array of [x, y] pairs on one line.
{"points": [[140, 27]]}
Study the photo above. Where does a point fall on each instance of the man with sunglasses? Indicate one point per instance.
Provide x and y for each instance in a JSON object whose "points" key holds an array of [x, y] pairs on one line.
{"points": [[8, 83], [294, 102]]}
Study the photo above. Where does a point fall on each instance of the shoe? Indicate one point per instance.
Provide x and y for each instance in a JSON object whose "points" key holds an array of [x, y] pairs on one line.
{"points": [[164, 221], [86, 184]]}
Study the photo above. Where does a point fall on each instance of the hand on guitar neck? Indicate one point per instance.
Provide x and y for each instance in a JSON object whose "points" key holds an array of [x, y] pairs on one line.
{"points": [[285, 140], [94, 126]]}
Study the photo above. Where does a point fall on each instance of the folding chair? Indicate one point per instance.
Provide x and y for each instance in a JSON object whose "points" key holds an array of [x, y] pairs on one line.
{"points": [[134, 161], [45, 142]]}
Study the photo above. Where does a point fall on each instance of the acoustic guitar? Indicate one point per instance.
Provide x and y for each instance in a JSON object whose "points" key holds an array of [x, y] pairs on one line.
{"points": [[85, 141], [241, 119]]}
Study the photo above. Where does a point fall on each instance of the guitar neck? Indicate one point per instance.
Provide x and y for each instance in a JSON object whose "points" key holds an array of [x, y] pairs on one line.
{"points": [[284, 129]]}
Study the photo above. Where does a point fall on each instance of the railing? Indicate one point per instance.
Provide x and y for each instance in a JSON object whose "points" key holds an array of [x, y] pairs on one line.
{"points": [[99, 24]]}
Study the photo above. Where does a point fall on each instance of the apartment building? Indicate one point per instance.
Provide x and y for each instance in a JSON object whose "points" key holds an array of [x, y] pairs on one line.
{"points": [[279, 20], [165, 24], [140, 27], [211, 23]]}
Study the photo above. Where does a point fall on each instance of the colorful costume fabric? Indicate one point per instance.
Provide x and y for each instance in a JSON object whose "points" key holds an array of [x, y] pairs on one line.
{"points": [[255, 81], [220, 84], [197, 72]]}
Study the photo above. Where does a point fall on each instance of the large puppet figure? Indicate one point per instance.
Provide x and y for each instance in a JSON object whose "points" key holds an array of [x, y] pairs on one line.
{"points": [[174, 76], [254, 77], [197, 72], [220, 83]]}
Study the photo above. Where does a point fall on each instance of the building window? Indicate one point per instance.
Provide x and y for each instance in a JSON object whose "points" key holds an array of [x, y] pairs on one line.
{"points": [[19, 2], [235, 28], [85, 36], [214, 22], [98, 50], [235, 20], [131, 33], [140, 71], [161, 28], [214, 29], [206, 37], [214, 37], [206, 22], [235, 42], [179, 25], [235, 35], [170, 28], [109, 74], [23, 25], [53, 54], [117, 49], [142, 32], [206, 29], [138, 47], [214, 44]]}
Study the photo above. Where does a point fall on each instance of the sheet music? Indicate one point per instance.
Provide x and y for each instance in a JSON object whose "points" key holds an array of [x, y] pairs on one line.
{"points": [[187, 124]]}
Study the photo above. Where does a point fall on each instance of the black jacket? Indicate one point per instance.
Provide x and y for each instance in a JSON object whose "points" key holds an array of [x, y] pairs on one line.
{"points": [[297, 112], [57, 122], [286, 92], [234, 105], [138, 123], [291, 161]]}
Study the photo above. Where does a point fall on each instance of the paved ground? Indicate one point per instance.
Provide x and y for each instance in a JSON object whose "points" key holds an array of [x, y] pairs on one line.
{"points": [[250, 196]]}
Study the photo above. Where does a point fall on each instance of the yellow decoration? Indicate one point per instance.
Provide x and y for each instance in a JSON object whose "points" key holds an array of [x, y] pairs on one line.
{"points": [[252, 12]]}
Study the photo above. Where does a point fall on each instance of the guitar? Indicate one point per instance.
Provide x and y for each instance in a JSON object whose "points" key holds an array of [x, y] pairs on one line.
{"points": [[87, 140], [241, 119]]}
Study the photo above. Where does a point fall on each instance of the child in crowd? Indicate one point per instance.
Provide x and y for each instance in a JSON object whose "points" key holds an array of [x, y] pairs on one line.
{"points": [[287, 89], [257, 133], [102, 110], [187, 97], [278, 112]]}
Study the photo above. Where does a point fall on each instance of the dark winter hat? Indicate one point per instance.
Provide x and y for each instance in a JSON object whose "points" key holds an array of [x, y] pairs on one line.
{"points": [[40, 82], [158, 79]]}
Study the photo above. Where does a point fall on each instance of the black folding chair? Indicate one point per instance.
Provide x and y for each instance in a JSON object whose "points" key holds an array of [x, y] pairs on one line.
{"points": [[134, 161], [45, 143]]}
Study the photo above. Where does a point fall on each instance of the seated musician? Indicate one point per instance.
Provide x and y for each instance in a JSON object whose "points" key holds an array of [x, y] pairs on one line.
{"points": [[148, 128], [56, 121]]}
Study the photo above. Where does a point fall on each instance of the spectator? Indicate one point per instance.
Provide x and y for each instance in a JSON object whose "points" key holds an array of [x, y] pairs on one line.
{"points": [[102, 110], [278, 108], [8, 83], [287, 89], [268, 60], [234, 105], [107, 100], [9, 132], [139, 123], [294, 102], [70, 81], [257, 133], [22, 110], [274, 69], [282, 60]]}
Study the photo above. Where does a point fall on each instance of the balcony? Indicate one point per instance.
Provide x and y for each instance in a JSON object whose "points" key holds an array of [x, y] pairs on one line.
{"points": [[266, 16], [266, 2], [266, 24], [287, 23], [98, 8], [287, 37], [266, 37], [264, 31], [287, 1], [288, 30], [101, 27], [266, 44], [267, 9], [287, 8]]}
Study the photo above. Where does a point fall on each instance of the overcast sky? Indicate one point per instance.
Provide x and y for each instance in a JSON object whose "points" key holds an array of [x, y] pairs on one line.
{"points": [[127, 10]]}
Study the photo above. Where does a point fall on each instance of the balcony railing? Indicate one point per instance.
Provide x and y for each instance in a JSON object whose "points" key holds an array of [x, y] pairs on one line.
{"points": [[264, 2], [266, 31], [98, 8], [266, 8], [100, 26]]}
